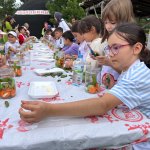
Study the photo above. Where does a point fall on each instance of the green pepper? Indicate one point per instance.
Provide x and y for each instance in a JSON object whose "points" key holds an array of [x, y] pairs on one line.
{"points": [[13, 83], [18, 67], [94, 79], [63, 76], [1, 87]]}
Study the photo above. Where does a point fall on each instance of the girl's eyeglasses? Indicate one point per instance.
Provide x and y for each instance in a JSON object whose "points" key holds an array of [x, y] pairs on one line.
{"points": [[114, 48]]}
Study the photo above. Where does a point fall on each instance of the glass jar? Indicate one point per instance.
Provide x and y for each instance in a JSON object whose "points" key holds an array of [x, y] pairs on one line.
{"points": [[91, 82], [25, 58], [14, 63], [30, 46], [59, 59], [51, 46], [7, 83]]}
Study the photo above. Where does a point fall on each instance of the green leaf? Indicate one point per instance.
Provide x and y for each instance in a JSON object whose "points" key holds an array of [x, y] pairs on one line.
{"points": [[94, 79]]}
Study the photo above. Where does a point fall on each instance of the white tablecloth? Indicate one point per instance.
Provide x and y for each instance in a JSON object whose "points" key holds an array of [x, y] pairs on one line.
{"points": [[117, 128]]}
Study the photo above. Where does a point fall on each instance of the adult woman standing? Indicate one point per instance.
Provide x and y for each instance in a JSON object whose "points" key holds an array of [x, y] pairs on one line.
{"points": [[7, 25], [61, 22]]}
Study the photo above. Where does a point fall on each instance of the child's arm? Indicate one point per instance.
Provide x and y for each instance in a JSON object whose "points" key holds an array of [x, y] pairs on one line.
{"points": [[11, 49], [2, 60], [89, 107]]}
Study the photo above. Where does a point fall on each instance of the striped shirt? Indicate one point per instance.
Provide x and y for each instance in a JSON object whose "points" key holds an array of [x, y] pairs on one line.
{"points": [[133, 87]]}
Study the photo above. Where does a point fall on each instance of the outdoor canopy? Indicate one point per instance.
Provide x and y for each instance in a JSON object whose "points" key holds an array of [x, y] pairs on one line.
{"points": [[34, 13]]}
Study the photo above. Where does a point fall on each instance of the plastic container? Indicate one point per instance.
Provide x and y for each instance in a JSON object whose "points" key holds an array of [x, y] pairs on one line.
{"points": [[78, 67], [42, 90], [7, 83]]}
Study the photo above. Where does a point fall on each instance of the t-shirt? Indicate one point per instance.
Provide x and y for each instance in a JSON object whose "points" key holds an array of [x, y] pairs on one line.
{"points": [[21, 38], [71, 50], [133, 87], [63, 25], [7, 28], [59, 43], [83, 48], [107, 70], [13, 45]]}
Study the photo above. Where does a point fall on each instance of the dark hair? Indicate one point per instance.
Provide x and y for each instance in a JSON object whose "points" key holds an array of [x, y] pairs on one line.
{"points": [[133, 33], [59, 29], [58, 16], [75, 27], [68, 35], [53, 34], [48, 30], [20, 28], [88, 22]]}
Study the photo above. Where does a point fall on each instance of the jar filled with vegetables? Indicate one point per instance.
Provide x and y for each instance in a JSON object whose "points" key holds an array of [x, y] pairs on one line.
{"points": [[59, 59], [91, 79], [7, 83], [14, 63]]}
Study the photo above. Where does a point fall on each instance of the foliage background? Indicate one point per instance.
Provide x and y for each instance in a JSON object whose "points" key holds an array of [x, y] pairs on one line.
{"points": [[7, 7], [69, 8]]}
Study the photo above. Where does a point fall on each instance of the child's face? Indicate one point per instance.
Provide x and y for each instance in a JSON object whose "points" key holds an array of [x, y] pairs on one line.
{"points": [[66, 42], [123, 54], [109, 25], [73, 20], [23, 31], [78, 36], [91, 35], [58, 34], [45, 24], [11, 38], [48, 33]]}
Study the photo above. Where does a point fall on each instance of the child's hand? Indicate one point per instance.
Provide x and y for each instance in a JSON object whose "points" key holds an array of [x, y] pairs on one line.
{"points": [[103, 60], [2, 60], [36, 111], [92, 56]]}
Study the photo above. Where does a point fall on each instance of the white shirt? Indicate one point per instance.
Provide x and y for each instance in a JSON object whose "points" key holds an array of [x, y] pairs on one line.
{"points": [[59, 43], [13, 45], [64, 25], [83, 48]]}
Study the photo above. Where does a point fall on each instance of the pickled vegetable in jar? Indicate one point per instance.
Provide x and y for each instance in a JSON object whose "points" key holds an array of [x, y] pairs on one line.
{"points": [[15, 64], [59, 59], [91, 83], [7, 83]]}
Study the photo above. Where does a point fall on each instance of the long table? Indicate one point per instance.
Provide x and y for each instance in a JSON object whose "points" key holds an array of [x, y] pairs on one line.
{"points": [[118, 128]]}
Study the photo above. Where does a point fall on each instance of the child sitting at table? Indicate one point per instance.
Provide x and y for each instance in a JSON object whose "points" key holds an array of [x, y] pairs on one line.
{"points": [[110, 17], [12, 44], [126, 45], [59, 40], [22, 38], [91, 28], [47, 34], [83, 48], [70, 48]]}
